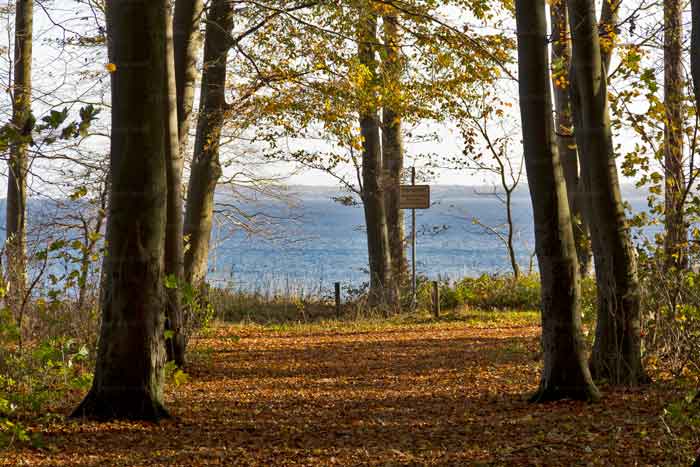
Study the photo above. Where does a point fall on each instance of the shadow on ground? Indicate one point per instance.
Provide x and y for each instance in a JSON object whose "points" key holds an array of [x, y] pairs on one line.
{"points": [[445, 395]]}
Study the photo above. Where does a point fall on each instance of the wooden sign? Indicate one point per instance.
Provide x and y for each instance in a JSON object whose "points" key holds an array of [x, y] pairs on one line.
{"points": [[415, 197]]}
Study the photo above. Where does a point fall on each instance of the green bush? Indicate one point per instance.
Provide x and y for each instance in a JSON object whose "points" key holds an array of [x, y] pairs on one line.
{"points": [[670, 309], [35, 379], [484, 292], [500, 292], [46, 343]]}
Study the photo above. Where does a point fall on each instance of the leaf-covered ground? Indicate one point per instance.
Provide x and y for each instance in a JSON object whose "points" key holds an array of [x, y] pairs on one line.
{"points": [[452, 393]]}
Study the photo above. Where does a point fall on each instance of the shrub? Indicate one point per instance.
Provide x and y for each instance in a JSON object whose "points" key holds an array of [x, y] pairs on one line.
{"points": [[670, 305], [500, 292], [487, 292], [47, 340]]}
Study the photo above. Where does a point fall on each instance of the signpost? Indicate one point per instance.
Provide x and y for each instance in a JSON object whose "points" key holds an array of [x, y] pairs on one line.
{"points": [[414, 197]]}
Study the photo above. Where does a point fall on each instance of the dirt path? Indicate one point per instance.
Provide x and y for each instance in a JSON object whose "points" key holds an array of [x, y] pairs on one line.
{"points": [[405, 395]]}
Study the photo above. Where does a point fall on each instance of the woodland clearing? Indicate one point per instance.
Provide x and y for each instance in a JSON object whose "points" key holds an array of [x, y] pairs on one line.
{"points": [[414, 392]]}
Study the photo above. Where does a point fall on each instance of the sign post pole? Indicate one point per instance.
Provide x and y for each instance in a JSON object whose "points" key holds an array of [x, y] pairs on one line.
{"points": [[414, 197], [413, 247]]}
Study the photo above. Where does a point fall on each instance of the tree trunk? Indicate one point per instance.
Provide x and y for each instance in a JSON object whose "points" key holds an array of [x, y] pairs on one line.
{"points": [[393, 149], [566, 142], [608, 30], [174, 246], [128, 381], [617, 351], [695, 51], [565, 373], [510, 240], [187, 43], [382, 287], [181, 81], [206, 169], [695, 76], [676, 229], [18, 164]]}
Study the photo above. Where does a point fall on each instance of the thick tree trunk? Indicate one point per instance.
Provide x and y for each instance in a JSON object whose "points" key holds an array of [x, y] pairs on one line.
{"points": [[18, 165], [393, 149], [565, 373], [128, 379], [206, 169], [617, 350], [676, 228], [174, 245], [382, 286], [566, 142]]}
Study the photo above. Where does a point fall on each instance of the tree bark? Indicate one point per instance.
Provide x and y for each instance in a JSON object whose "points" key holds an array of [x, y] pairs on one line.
{"points": [[566, 142], [676, 229], [128, 381], [616, 353], [174, 245], [695, 51], [181, 80], [695, 77], [206, 168], [382, 289], [393, 149], [608, 30], [18, 164], [565, 373], [510, 239], [187, 43]]}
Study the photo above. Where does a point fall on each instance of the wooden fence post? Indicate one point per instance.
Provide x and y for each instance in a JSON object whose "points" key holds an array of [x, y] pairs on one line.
{"points": [[436, 299], [337, 299]]}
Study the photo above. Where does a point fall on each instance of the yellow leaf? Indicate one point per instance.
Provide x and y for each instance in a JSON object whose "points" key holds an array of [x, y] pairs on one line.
{"points": [[111, 67]]}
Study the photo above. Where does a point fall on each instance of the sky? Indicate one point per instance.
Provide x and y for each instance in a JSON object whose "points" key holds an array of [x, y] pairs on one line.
{"points": [[64, 74]]}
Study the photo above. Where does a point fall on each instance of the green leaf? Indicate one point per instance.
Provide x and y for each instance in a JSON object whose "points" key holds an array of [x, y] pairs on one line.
{"points": [[171, 282]]}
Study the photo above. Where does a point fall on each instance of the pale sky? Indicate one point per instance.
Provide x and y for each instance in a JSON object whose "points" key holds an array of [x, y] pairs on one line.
{"points": [[64, 74]]}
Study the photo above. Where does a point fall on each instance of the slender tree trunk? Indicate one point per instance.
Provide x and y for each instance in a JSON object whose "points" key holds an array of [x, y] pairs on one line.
{"points": [[695, 51], [174, 245], [187, 44], [608, 31], [566, 142], [695, 76], [511, 230], [382, 286], [181, 81], [676, 228], [393, 149], [206, 169], [128, 381], [18, 165], [565, 373], [616, 353]]}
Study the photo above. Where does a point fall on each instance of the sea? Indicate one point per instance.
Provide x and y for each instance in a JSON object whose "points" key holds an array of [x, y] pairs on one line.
{"points": [[308, 240]]}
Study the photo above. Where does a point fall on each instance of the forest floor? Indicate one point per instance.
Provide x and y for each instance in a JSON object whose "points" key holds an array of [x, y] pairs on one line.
{"points": [[420, 392]]}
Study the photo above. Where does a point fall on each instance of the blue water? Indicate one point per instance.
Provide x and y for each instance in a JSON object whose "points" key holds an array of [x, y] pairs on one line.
{"points": [[307, 243], [319, 241]]}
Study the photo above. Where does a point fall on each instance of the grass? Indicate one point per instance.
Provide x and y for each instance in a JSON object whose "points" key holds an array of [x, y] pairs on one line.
{"points": [[377, 323]]}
